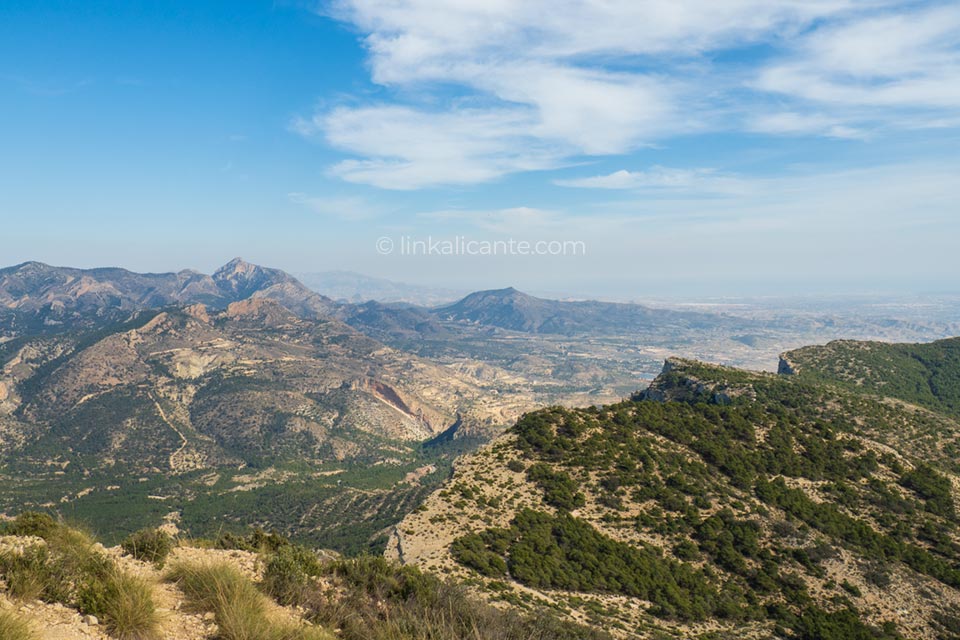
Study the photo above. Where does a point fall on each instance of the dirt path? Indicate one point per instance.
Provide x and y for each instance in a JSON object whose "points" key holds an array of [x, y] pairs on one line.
{"points": [[183, 439]]}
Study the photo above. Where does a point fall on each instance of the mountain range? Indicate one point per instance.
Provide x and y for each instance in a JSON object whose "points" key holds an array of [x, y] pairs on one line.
{"points": [[517, 311], [246, 387], [36, 297], [819, 501]]}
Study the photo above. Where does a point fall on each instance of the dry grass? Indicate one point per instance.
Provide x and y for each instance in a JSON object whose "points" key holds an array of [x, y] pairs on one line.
{"points": [[13, 627], [127, 607], [378, 600], [66, 568], [242, 612]]}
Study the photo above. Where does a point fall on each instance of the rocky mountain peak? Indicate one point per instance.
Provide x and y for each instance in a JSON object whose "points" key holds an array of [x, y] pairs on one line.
{"points": [[29, 267], [237, 266], [241, 279]]}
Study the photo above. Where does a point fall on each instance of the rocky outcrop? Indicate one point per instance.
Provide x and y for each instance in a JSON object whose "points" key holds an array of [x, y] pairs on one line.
{"points": [[785, 367], [678, 383]]}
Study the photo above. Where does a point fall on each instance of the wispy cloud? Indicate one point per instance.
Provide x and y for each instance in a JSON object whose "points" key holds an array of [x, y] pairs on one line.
{"points": [[506, 87], [663, 179], [510, 220], [48, 87], [405, 148], [793, 123], [342, 207], [906, 58]]}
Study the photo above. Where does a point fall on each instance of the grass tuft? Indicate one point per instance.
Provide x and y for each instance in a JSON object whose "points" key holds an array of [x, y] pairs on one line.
{"points": [[66, 568], [13, 627], [125, 604], [241, 611]]}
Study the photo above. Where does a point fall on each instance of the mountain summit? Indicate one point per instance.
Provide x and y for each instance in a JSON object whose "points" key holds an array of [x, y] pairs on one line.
{"points": [[239, 279], [504, 308], [517, 311]]}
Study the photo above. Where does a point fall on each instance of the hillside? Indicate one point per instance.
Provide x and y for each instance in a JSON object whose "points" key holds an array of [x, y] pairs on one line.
{"points": [[58, 583], [518, 311], [230, 418], [925, 374], [717, 501]]}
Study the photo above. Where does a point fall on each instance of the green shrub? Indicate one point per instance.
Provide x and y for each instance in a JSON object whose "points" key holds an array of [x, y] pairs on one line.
{"points": [[933, 487], [471, 551], [30, 523], [559, 489], [516, 466], [845, 624], [257, 541], [32, 575], [289, 574], [149, 545]]}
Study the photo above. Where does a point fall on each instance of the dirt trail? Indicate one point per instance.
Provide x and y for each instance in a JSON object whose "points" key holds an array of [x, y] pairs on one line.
{"points": [[184, 442]]}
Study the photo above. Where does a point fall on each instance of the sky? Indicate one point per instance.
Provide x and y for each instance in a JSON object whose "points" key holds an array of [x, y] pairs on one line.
{"points": [[617, 148]]}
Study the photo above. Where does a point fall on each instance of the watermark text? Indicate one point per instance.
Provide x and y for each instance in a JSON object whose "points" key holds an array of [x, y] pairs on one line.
{"points": [[464, 246]]}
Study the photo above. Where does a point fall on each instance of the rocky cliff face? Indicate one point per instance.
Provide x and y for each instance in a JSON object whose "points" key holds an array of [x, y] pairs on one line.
{"points": [[785, 367]]}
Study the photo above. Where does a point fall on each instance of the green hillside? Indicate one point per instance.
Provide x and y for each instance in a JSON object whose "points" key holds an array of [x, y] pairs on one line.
{"points": [[924, 374], [717, 502]]}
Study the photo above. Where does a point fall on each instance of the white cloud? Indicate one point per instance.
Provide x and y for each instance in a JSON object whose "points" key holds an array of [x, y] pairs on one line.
{"points": [[427, 39], [663, 179], [408, 149], [493, 87], [899, 59]]}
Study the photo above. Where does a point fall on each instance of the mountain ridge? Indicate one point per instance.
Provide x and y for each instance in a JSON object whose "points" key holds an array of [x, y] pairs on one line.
{"points": [[38, 297], [509, 308]]}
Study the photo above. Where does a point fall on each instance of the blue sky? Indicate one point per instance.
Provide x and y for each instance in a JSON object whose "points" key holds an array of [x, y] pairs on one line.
{"points": [[692, 147]]}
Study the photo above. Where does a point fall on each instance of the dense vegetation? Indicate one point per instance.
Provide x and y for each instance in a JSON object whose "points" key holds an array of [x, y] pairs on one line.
{"points": [[347, 510], [562, 552], [924, 374]]}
